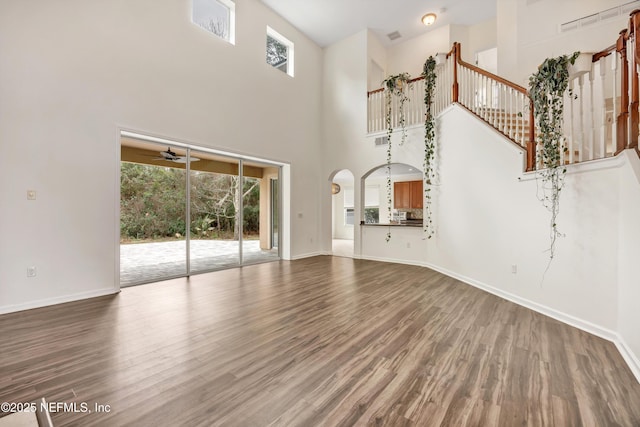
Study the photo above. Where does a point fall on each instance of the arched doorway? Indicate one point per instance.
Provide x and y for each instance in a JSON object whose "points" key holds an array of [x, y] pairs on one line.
{"points": [[343, 217]]}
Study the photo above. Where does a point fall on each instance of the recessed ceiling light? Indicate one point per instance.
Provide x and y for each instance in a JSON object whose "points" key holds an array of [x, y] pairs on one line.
{"points": [[429, 19]]}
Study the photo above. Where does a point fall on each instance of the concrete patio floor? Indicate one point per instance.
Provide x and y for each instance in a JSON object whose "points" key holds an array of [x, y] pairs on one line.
{"points": [[148, 262]]}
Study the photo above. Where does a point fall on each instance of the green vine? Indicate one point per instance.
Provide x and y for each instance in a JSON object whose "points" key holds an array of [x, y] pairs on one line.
{"points": [[546, 89], [429, 74], [394, 86]]}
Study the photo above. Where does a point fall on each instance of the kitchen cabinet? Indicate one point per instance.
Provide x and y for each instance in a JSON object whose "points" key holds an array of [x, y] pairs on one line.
{"points": [[417, 196], [407, 195]]}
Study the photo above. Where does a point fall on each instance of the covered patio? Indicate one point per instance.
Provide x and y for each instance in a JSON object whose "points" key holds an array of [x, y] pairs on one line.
{"points": [[148, 262]]}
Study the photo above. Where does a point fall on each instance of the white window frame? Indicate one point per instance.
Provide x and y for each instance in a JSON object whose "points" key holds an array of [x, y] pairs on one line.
{"points": [[346, 216], [231, 6], [290, 49]]}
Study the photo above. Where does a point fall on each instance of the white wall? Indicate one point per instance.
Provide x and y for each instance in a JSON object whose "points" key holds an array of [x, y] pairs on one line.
{"points": [[72, 73], [409, 56], [506, 33], [344, 112], [528, 32], [629, 255], [482, 36], [377, 61]]}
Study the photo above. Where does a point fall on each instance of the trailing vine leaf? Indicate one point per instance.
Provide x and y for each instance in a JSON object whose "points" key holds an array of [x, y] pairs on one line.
{"points": [[429, 74], [546, 89], [394, 86]]}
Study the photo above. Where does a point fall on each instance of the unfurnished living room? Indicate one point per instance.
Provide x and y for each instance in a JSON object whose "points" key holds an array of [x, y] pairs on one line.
{"points": [[286, 213]]}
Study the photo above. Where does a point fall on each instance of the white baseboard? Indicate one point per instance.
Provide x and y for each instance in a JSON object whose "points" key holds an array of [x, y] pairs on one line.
{"points": [[57, 300], [585, 325], [393, 260], [628, 356], [308, 255]]}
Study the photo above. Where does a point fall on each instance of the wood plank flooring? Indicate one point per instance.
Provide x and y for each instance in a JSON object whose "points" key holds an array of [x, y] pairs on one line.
{"points": [[324, 341]]}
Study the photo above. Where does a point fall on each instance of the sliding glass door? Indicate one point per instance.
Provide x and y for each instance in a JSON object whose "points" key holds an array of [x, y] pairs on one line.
{"points": [[185, 211], [214, 211]]}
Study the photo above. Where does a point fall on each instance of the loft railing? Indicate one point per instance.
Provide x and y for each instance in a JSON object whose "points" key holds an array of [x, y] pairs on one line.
{"points": [[414, 109], [601, 120]]}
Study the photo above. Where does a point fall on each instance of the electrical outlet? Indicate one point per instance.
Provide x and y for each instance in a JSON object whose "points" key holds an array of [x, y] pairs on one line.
{"points": [[514, 268], [31, 272]]}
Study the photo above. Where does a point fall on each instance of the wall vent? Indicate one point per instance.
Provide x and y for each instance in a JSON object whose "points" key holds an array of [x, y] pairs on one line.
{"points": [[381, 140], [604, 15]]}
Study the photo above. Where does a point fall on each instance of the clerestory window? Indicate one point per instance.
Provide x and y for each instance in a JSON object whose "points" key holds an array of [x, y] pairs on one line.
{"points": [[279, 52], [216, 16]]}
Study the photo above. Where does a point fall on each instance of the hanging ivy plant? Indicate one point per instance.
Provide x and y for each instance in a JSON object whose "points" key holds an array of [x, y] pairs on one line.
{"points": [[547, 88], [394, 86], [429, 74]]}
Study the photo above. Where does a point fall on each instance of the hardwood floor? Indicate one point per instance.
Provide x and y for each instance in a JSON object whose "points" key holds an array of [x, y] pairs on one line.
{"points": [[321, 341]]}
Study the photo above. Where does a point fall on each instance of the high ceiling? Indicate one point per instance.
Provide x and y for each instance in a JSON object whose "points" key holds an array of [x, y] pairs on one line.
{"points": [[327, 21]]}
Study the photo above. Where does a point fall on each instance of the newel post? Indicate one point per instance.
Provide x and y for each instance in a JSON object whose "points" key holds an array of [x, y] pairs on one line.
{"points": [[635, 116], [623, 117], [531, 143], [456, 56]]}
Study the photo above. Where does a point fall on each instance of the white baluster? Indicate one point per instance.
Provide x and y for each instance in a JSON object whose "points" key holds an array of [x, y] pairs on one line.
{"points": [[475, 92], [572, 138], [496, 110], [461, 85], [525, 117], [614, 124], [602, 141], [581, 146], [505, 109], [485, 89], [370, 115], [512, 115], [468, 88], [465, 87], [592, 116]]}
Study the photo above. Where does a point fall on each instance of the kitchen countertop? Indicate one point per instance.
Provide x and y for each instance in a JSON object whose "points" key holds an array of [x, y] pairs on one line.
{"points": [[408, 223]]}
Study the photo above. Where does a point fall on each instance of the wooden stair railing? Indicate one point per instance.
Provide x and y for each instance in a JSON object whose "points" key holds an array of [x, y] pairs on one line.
{"points": [[599, 122], [503, 104], [500, 103]]}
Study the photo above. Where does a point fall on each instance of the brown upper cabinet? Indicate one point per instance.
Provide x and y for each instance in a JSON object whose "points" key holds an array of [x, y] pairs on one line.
{"points": [[407, 195]]}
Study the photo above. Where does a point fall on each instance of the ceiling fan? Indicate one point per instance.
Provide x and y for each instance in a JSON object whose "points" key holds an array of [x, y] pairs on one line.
{"points": [[171, 156]]}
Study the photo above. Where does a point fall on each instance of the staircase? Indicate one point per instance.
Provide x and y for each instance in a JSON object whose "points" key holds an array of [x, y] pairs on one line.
{"points": [[600, 120]]}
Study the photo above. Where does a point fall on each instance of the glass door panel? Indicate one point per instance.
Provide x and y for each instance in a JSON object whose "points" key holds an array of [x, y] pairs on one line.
{"points": [[214, 204], [258, 244], [152, 212]]}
